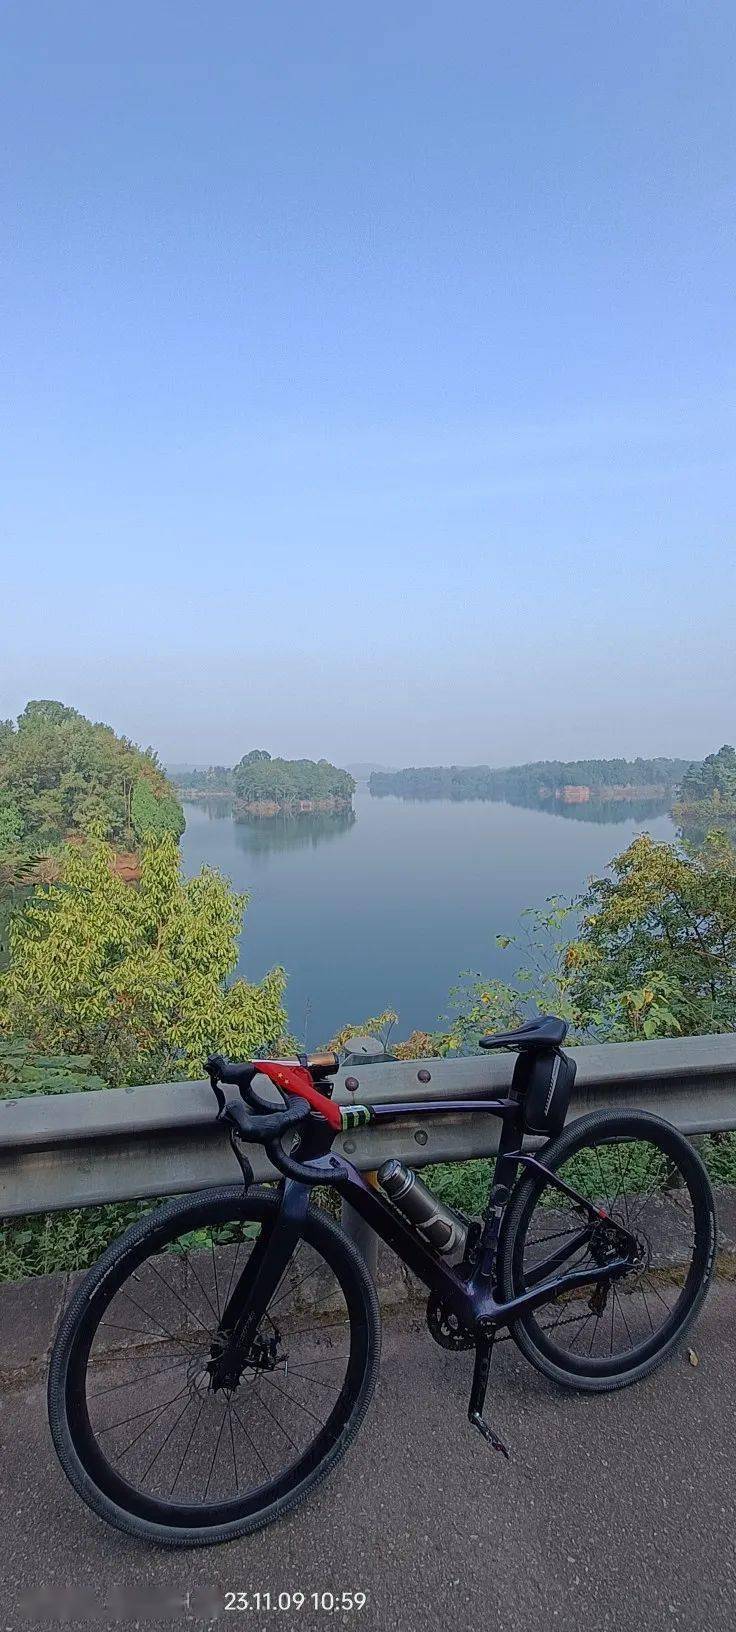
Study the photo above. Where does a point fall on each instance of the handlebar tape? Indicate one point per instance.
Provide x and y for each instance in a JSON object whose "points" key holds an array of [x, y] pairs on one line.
{"points": [[261, 1129], [295, 1079]]}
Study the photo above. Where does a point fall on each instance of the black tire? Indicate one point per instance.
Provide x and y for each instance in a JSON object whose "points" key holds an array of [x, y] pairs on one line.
{"points": [[677, 1282], [229, 1215]]}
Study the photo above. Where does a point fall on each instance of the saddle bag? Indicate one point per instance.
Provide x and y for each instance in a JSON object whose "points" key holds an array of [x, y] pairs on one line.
{"points": [[543, 1083]]}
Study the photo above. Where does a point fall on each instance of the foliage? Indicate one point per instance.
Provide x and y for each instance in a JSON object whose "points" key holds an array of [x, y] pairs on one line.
{"points": [[380, 1026], [23, 1070], [153, 816], [11, 824], [462, 1185], [656, 953], [711, 786], [718, 1151], [479, 1006], [257, 777], [648, 951], [49, 1243], [135, 978], [216, 779], [61, 774], [421, 1045], [534, 783]]}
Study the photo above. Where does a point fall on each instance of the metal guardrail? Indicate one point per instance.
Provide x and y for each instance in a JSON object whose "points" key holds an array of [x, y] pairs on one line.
{"points": [[75, 1150]]}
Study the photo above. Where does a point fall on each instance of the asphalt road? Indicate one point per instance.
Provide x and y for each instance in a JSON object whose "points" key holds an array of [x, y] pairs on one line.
{"points": [[615, 1513]]}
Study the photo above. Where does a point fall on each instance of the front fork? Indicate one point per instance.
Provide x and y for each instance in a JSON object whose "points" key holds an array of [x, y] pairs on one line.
{"points": [[257, 1284]]}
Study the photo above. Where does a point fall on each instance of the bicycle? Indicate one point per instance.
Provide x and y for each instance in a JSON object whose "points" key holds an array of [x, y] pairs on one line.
{"points": [[196, 1394]]}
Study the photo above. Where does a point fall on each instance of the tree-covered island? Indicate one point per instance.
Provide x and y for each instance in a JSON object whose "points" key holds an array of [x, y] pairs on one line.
{"points": [[262, 786]]}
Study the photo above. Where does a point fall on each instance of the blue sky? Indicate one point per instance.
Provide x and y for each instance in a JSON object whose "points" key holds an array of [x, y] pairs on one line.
{"points": [[367, 375]]}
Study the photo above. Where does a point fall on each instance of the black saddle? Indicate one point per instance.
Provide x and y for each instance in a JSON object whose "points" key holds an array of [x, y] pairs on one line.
{"points": [[535, 1035]]}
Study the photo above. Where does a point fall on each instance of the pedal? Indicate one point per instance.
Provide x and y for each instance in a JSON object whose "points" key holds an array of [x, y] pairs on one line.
{"points": [[484, 1428]]}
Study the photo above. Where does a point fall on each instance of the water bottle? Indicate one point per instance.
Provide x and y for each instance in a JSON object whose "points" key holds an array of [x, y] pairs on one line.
{"points": [[440, 1226]]}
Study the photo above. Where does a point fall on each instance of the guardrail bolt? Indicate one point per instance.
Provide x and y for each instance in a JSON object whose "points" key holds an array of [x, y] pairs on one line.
{"points": [[424, 1076], [351, 1083]]}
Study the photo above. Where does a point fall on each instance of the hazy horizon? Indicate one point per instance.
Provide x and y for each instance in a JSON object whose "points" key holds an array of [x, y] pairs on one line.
{"points": [[368, 380]]}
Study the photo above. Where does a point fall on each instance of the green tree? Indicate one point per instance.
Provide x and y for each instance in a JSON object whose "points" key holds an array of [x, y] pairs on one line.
{"points": [[137, 980], [67, 775], [711, 785], [287, 781], [153, 816], [648, 951], [656, 953], [11, 825]]}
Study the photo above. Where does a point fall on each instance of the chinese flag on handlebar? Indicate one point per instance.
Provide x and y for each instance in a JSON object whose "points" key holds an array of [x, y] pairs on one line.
{"points": [[295, 1079]]}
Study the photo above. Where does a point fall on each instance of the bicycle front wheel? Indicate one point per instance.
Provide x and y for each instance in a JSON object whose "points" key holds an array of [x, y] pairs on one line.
{"points": [[139, 1431], [651, 1181]]}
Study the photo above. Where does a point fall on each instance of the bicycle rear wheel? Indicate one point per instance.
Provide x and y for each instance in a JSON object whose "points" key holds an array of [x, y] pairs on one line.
{"points": [[139, 1431], [650, 1180]]}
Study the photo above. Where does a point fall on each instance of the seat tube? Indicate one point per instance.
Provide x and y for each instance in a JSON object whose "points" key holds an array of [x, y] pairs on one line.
{"points": [[504, 1175]]}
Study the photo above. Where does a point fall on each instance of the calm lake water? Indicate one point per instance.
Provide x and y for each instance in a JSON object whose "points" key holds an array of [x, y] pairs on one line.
{"points": [[386, 908]]}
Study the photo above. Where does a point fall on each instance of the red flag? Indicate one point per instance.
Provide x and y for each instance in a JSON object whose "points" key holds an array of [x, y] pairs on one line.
{"points": [[295, 1079]]}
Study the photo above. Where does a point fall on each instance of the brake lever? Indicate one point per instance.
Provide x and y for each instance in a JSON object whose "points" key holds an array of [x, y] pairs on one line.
{"points": [[212, 1068], [240, 1156]]}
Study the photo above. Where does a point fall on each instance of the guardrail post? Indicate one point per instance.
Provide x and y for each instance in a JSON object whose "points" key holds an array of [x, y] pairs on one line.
{"points": [[362, 1237]]}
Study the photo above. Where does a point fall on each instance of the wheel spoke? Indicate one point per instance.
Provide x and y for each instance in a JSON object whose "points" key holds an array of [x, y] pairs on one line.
{"points": [[250, 1440], [214, 1272], [147, 1375], [186, 1448], [179, 1298], [269, 1412], [214, 1457], [165, 1441]]}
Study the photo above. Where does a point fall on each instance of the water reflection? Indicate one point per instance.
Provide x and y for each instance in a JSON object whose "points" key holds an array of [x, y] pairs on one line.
{"points": [[612, 812], [218, 806], [260, 834]]}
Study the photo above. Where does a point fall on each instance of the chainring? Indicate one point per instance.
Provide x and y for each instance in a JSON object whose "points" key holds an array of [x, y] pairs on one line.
{"points": [[445, 1326]]}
